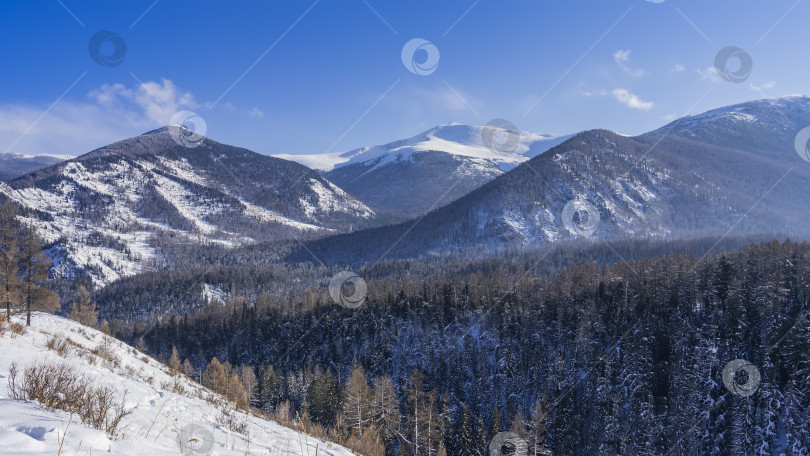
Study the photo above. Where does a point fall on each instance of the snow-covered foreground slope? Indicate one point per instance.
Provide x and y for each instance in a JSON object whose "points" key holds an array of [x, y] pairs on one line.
{"points": [[159, 416]]}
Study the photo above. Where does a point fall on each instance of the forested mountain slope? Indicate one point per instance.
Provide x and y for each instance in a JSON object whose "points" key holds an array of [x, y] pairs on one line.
{"points": [[574, 363]]}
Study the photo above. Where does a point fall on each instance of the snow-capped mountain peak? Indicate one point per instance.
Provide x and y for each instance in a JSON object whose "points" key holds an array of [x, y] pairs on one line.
{"points": [[410, 176], [454, 139]]}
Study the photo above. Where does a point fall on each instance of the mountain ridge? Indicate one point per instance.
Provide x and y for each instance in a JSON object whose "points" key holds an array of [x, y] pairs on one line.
{"points": [[115, 208], [660, 185]]}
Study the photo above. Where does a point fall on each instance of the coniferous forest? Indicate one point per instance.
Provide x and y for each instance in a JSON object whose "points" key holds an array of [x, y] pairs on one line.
{"points": [[676, 355]]}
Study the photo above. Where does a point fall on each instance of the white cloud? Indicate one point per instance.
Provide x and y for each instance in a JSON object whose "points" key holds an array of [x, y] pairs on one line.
{"points": [[766, 86], [622, 58], [256, 112], [631, 100], [678, 68], [709, 74], [109, 113], [159, 101], [599, 93]]}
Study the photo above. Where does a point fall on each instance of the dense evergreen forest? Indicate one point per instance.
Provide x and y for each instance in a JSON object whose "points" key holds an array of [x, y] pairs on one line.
{"points": [[632, 358]]}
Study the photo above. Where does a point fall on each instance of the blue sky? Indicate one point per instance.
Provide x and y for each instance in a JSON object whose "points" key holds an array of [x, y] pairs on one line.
{"points": [[311, 77]]}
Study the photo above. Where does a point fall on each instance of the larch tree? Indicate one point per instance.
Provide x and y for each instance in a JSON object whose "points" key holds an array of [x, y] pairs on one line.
{"points": [[214, 376], [385, 413], [84, 309], [422, 417], [250, 383], [236, 392], [187, 368], [9, 252], [357, 401], [34, 268], [174, 362]]}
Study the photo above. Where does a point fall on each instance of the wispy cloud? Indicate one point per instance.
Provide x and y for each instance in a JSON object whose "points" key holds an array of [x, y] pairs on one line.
{"points": [[631, 100], [107, 114], [159, 101], [597, 93], [709, 74], [766, 86], [678, 68], [622, 58]]}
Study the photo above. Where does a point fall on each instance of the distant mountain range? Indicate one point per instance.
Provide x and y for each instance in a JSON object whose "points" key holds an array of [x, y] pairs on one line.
{"points": [[469, 190], [732, 170], [16, 165]]}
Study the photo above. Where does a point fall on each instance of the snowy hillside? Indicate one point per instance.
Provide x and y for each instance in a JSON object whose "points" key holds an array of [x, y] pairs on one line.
{"points": [[766, 127], [107, 209], [160, 417]]}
